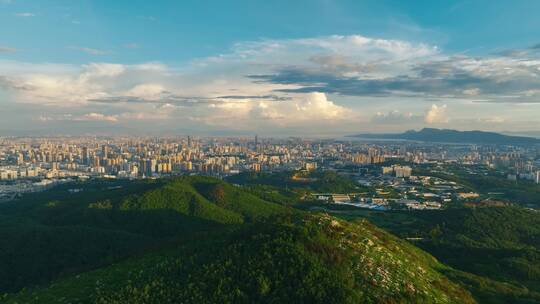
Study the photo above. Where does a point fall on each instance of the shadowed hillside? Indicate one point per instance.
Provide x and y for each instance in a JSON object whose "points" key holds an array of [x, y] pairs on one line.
{"points": [[41, 240], [294, 259]]}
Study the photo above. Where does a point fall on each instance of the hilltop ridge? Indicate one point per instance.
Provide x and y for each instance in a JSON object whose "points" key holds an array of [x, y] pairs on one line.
{"points": [[454, 136], [290, 258]]}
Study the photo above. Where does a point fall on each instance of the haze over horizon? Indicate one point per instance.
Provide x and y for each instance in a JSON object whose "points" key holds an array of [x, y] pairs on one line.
{"points": [[312, 68]]}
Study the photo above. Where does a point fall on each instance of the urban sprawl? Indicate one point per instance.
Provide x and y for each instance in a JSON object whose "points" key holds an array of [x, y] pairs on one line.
{"points": [[36, 164]]}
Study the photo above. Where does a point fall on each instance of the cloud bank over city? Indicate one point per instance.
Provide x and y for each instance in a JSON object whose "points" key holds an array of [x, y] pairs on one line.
{"points": [[319, 85]]}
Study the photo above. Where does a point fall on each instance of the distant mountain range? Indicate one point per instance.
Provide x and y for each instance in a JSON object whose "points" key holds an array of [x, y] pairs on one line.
{"points": [[454, 136]]}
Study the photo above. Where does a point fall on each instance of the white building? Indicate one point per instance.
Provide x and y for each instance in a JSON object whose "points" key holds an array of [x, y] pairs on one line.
{"points": [[402, 171], [398, 171]]}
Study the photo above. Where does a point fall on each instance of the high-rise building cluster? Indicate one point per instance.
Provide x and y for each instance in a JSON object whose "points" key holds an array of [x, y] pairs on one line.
{"points": [[148, 157]]}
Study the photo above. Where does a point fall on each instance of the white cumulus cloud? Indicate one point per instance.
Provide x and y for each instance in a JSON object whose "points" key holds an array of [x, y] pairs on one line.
{"points": [[309, 83], [436, 114], [83, 117]]}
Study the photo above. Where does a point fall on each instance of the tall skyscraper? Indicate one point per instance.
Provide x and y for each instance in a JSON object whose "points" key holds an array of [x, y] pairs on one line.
{"points": [[104, 151], [85, 156], [20, 159]]}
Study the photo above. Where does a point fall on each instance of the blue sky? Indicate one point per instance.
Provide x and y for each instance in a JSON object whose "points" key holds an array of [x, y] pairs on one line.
{"points": [[194, 66], [174, 31]]}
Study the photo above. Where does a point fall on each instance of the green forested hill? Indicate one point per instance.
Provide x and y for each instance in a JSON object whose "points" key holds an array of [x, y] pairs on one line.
{"points": [[496, 250], [201, 240], [42, 239], [284, 259], [501, 243], [203, 198]]}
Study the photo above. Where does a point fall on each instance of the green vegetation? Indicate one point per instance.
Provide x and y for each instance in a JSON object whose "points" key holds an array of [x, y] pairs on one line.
{"points": [[502, 244], [296, 258], [277, 195], [48, 237], [497, 250], [202, 240], [203, 198], [487, 182], [317, 181]]}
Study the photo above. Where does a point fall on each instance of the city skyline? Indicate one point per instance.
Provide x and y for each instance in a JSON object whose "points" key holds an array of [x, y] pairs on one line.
{"points": [[317, 68]]}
